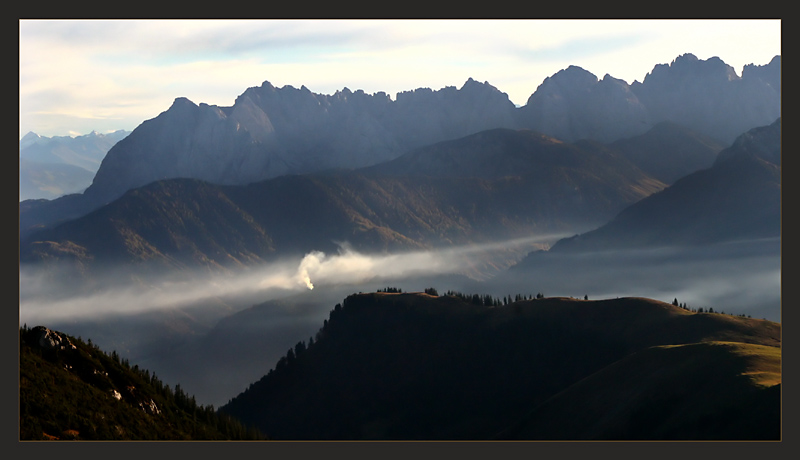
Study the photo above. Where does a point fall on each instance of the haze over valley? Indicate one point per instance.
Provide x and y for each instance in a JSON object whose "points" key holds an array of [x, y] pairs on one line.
{"points": [[213, 239]]}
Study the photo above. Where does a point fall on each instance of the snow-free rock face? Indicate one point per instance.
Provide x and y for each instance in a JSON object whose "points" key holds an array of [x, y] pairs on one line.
{"points": [[709, 97], [769, 73], [271, 131], [573, 104], [51, 340]]}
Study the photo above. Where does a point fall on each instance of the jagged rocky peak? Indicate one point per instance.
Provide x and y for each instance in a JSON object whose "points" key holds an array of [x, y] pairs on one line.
{"points": [[769, 73], [573, 104], [688, 66], [474, 85], [51, 340], [608, 79]]}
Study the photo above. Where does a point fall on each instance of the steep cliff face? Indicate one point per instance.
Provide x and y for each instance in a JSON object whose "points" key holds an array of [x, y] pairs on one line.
{"points": [[187, 140], [573, 104], [271, 131], [769, 73], [708, 96]]}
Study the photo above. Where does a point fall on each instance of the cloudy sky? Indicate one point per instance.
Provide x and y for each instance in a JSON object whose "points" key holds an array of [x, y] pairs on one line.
{"points": [[80, 76]]}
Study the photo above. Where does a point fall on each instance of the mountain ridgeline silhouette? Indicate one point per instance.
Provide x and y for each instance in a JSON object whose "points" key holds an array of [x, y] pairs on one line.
{"points": [[450, 193], [212, 237], [50, 167], [273, 131], [737, 198], [73, 390], [417, 366]]}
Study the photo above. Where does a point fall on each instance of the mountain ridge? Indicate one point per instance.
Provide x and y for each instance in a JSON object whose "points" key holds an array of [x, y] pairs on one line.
{"points": [[738, 197], [72, 390], [426, 367], [50, 167], [179, 221], [272, 131]]}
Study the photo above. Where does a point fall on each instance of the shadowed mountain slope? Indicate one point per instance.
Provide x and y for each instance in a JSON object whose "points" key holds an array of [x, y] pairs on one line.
{"points": [[739, 197], [415, 366], [708, 390], [39, 180], [708, 95], [72, 390], [538, 185], [272, 131], [669, 151]]}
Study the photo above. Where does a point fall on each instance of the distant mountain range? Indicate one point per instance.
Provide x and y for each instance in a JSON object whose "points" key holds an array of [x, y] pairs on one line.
{"points": [[690, 157], [496, 184], [54, 166], [418, 367], [272, 131]]}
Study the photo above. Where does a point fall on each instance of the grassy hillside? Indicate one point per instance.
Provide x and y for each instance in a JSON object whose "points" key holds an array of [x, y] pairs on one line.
{"points": [[708, 390], [417, 366]]}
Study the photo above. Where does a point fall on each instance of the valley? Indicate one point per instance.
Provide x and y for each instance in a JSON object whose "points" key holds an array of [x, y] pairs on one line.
{"points": [[297, 260]]}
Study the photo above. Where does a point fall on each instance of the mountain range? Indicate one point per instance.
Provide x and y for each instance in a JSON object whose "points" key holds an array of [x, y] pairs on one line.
{"points": [[496, 184], [271, 131], [689, 158], [50, 167], [492, 185]]}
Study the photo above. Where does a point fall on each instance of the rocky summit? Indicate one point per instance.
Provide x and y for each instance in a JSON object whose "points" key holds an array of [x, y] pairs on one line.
{"points": [[272, 131]]}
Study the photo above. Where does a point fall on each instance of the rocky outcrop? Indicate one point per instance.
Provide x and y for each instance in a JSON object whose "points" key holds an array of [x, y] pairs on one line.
{"points": [[709, 97], [271, 131], [769, 73], [763, 143], [573, 104], [50, 340]]}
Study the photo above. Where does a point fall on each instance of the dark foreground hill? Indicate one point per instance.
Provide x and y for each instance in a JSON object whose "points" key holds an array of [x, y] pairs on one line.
{"points": [[419, 366], [69, 389], [708, 390]]}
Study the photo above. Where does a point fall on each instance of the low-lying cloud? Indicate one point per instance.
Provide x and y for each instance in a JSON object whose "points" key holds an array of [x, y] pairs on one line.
{"points": [[163, 324], [43, 298], [741, 278]]}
